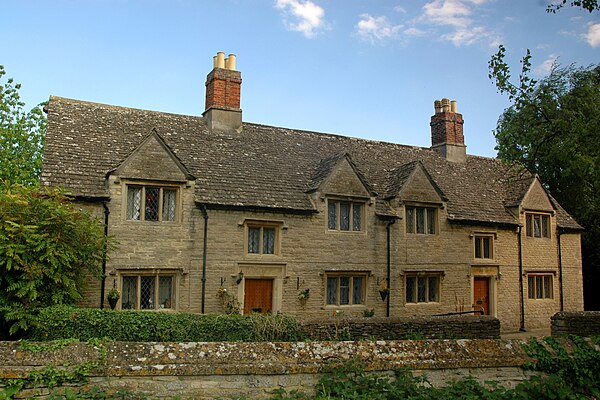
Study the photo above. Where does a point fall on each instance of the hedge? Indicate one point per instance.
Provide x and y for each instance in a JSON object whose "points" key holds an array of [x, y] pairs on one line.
{"points": [[63, 322]]}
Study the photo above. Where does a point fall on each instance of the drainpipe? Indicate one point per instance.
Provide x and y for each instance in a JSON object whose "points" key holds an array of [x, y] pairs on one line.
{"points": [[522, 329], [389, 267], [103, 286], [205, 214], [560, 273]]}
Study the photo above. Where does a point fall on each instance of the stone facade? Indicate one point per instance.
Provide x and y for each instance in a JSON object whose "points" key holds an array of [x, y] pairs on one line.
{"points": [[310, 224]]}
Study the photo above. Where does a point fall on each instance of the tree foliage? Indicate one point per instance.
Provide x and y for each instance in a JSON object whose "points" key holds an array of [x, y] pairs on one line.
{"points": [[47, 248], [587, 5], [21, 136], [552, 129]]}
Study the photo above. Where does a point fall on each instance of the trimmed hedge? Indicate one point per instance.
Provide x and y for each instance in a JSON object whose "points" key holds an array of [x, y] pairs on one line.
{"points": [[62, 322]]}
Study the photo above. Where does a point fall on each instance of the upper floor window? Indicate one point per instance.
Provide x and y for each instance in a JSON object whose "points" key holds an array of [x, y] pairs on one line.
{"points": [[484, 246], [346, 289], [537, 225], [262, 238], [147, 292], [151, 203], [345, 216], [421, 220], [539, 286], [422, 287]]}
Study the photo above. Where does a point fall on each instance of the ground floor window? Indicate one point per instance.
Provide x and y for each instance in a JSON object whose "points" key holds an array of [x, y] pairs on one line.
{"points": [[147, 292], [422, 288], [346, 289], [539, 286]]}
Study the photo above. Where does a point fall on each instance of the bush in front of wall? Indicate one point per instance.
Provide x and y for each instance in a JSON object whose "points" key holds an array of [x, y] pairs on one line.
{"points": [[62, 322]]}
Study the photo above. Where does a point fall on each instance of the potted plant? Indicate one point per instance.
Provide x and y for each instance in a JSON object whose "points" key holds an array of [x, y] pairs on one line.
{"points": [[384, 292], [304, 294], [113, 297]]}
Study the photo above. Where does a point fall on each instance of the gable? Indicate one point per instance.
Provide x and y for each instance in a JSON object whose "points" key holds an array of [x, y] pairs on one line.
{"points": [[344, 180], [537, 198], [419, 187], [152, 160]]}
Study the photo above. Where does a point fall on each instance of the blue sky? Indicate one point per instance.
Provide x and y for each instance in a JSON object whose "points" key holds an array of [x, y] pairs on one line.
{"points": [[361, 68]]}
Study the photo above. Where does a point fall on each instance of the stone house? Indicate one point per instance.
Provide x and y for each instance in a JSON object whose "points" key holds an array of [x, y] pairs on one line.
{"points": [[306, 223]]}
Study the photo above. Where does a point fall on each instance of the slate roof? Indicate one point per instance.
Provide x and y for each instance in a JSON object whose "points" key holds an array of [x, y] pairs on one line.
{"points": [[261, 167]]}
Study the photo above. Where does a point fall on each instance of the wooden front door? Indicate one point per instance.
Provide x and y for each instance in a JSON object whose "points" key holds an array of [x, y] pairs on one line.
{"points": [[481, 294], [258, 296]]}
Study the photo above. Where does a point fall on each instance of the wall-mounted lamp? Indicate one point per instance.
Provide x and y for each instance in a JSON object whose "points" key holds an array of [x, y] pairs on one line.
{"points": [[240, 276]]}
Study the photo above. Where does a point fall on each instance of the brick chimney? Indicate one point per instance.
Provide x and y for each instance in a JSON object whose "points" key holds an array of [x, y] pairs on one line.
{"points": [[447, 131], [223, 88]]}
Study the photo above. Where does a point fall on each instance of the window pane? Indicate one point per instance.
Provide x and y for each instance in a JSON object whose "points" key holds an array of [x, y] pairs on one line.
{"points": [[420, 220], [531, 287], [433, 288], [253, 240], [486, 247], [529, 224], [332, 290], [421, 289], [169, 197], [431, 221], [129, 295], [357, 290], [478, 247], [165, 292], [269, 240], [134, 201], [332, 215], [410, 289], [147, 293], [536, 226], [356, 217], [152, 196], [344, 216], [344, 290], [410, 220], [545, 226], [547, 287], [538, 287]]}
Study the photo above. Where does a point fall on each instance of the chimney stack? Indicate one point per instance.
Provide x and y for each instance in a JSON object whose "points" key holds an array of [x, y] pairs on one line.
{"points": [[447, 131], [223, 89]]}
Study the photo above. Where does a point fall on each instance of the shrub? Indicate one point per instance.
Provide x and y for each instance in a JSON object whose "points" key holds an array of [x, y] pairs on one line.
{"points": [[60, 322]]}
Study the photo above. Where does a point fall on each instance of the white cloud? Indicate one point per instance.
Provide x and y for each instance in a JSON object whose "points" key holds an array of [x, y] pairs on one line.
{"points": [[310, 18], [414, 32], [376, 28], [457, 15], [546, 67], [400, 9], [593, 35]]}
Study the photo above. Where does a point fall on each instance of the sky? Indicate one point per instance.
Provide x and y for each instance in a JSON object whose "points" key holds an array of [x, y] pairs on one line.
{"points": [[362, 68]]}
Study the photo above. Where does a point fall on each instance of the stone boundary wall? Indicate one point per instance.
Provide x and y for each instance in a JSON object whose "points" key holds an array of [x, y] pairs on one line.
{"points": [[581, 323], [228, 370], [443, 327]]}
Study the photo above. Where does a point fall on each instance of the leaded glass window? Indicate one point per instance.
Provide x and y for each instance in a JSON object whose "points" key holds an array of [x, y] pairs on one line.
{"points": [[483, 247], [537, 225], [148, 203], [147, 292], [539, 286], [268, 240], [422, 220], [345, 290], [253, 240], [262, 239], [344, 216], [422, 288]]}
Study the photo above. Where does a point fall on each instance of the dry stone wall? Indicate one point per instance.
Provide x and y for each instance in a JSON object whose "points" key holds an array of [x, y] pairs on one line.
{"points": [[254, 370], [582, 323]]}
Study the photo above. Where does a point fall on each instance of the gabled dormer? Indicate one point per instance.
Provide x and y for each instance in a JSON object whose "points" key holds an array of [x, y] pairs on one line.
{"points": [[537, 210]]}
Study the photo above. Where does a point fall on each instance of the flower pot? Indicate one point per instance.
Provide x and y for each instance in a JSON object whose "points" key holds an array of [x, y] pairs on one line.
{"points": [[383, 294], [112, 302]]}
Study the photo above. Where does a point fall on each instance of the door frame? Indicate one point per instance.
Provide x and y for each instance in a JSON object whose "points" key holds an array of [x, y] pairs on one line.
{"points": [[490, 273], [261, 270]]}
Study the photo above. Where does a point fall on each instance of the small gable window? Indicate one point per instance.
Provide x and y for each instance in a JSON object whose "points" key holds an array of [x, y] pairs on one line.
{"points": [[540, 286], [537, 225], [421, 220], [345, 216], [484, 246], [151, 203], [262, 238]]}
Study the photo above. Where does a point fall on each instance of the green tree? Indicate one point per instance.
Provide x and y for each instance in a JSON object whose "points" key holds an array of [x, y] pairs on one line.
{"points": [[588, 5], [47, 249], [552, 129], [21, 136]]}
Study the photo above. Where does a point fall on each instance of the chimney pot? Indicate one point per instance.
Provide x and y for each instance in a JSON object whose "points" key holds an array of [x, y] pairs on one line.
{"points": [[446, 105], [220, 60], [447, 131], [230, 62], [437, 105], [453, 106]]}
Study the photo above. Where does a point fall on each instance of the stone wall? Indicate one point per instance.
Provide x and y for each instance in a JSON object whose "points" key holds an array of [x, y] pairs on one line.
{"points": [[582, 323], [254, 370], [455, 327]]}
